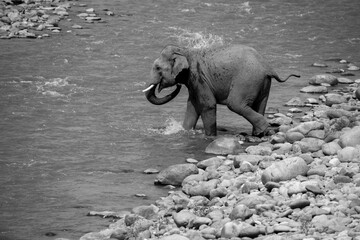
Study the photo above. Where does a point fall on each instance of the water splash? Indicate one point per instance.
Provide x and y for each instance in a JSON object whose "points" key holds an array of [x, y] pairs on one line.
{"points": [[196, 40], [172, 127]]}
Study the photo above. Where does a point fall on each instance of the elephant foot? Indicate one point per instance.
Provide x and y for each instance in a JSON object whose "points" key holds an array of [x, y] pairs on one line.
{"points": [[260, 131], [264, 133]]}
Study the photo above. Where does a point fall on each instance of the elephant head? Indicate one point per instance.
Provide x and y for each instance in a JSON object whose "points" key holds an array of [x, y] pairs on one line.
{"points": [[165, 73]]}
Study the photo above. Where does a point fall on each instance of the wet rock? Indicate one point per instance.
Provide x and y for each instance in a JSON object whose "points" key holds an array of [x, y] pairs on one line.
{"points": [[295, 110], [312, 101], [352, 67], [343, 80], [350, 137], [314, 89], [323, 78], [224, 146], [334, 98], [175, 174], [321, 65], [285, 170], [92, 19], [76, 26], [151, 171], [148, 212], [295, 102]]}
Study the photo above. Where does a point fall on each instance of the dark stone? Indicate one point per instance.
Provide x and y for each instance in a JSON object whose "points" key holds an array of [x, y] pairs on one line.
{"points": [[299, 203], [271, 185]]}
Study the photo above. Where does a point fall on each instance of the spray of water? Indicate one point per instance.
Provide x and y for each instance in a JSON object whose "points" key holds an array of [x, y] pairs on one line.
{"points": [[196, 40], [172, 127]]}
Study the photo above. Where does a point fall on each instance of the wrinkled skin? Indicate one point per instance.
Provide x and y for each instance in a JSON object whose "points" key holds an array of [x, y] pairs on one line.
{"points": [[236, 76]]}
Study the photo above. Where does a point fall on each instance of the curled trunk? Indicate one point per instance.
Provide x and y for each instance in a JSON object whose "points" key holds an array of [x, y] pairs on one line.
{"points": [[150, 95]]}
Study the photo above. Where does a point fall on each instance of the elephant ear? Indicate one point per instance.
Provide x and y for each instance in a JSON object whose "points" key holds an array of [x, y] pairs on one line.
{"points": [[180, 63]]}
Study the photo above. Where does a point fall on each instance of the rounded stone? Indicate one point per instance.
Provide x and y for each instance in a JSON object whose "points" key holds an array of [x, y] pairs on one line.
{"points": [[323, 78], [357, 93], [285, 170], [299, 203]]}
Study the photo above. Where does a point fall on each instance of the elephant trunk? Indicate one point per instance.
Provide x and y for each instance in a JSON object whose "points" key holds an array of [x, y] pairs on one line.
{"points": [[150, 95]]}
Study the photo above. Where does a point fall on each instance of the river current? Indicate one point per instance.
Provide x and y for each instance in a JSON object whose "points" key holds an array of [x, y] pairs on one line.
{"points": [[76, 132]]}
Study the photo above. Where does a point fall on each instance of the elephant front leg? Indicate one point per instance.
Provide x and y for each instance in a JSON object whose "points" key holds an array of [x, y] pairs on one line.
{"points": [[208, 117], [191, 116]]}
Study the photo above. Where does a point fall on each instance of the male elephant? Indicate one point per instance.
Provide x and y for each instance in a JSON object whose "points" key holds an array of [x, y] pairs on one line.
{"points": [[236, 76]]}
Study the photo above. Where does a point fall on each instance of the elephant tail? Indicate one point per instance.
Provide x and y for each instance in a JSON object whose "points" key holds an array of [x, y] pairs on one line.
{"points": [[283, 80]]}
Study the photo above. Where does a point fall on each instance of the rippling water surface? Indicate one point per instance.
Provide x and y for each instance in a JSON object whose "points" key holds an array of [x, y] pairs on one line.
{"points": [[76, 130]]}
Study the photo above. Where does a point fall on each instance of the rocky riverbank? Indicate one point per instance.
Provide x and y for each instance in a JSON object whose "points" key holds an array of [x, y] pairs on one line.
{"points": [[303, 182], [41, 18]]}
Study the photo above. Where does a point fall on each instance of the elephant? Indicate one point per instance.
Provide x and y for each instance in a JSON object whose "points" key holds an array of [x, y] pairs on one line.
{"points": [[233, 75]]}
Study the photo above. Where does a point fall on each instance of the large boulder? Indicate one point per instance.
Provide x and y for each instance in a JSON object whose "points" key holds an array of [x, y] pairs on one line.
{"points": [[284, 170], [175, 174], [350, 138], [323, 78], [224, 146]]}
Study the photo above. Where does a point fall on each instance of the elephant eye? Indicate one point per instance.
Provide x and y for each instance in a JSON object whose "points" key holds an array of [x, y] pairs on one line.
{"points": [[157, 68]]}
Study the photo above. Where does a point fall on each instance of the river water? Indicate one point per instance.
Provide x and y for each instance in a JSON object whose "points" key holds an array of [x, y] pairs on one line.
{"points": [[76, 132]]}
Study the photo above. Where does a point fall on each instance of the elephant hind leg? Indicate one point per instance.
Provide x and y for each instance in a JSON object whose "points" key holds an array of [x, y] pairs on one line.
{"points": [[260, 103], [257, 120]]}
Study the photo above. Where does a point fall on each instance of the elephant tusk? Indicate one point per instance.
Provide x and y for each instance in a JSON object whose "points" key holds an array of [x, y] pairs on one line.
{"points": [[148, 88]]}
